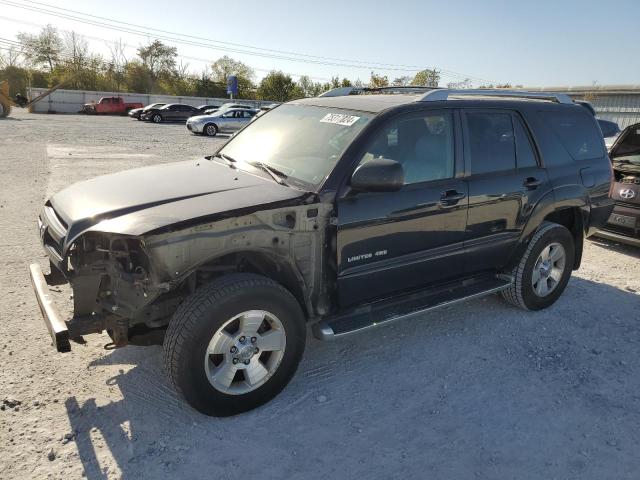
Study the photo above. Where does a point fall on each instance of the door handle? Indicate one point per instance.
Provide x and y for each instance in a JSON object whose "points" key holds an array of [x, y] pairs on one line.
{"points": [[451, 197], [531, 183]]}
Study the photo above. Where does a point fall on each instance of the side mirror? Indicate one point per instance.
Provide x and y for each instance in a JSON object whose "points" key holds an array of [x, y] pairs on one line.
{"points": [[378, 175]]}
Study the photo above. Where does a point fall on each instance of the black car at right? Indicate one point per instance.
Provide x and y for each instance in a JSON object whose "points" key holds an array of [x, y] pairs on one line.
{"points": [[624, 223]]}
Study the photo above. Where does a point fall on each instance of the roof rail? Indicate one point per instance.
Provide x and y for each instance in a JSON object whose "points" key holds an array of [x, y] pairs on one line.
{"points": [[445, 93], [340, 92], [344, 91]]}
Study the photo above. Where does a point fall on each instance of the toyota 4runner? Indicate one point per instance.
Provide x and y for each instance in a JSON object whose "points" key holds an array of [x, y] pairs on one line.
{"points": [[346, 211]]}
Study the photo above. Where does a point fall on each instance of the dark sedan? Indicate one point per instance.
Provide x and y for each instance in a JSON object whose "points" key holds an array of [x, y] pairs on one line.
{"points": [[138, 112], [172, 112]]}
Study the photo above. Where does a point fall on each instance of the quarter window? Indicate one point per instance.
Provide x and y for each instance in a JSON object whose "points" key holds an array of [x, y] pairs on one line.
{"points": [[577, 132], [491, 142], [524, 149], [423, 145]]}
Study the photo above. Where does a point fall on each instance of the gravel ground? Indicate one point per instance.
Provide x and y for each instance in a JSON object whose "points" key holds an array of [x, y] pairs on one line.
{"points": [[479, 390]]}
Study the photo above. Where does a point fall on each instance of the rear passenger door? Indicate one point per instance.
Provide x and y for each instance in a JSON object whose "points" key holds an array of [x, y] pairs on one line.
{"points": [[505, 181]]}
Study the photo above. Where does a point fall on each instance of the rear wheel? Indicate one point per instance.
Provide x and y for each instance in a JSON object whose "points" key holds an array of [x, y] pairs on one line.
{"points": [[210, 130], [156, 118], [234, 344], [544, 270]]}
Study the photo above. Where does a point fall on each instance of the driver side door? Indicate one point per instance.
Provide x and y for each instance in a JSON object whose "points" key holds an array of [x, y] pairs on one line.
{"points": [[389, 242]]}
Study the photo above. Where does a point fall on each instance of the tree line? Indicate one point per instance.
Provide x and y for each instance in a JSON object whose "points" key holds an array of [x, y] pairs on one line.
{"points": [[49, 57]]}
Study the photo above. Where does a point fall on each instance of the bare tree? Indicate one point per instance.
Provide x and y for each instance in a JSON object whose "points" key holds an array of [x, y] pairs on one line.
{"points": [[75, 50], [42, 49], [10, 57]]}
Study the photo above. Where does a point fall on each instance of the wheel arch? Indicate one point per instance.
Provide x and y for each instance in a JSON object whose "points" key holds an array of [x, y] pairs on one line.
{"points": [[571, 212], [276, 267]]}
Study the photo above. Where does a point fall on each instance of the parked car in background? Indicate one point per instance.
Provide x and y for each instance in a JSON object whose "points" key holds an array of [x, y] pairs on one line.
{"points": [[264, 109], [110, 106], [624, 223], [225, 121], [172, 112], [137, 112], [229, 105], [206, 108]]}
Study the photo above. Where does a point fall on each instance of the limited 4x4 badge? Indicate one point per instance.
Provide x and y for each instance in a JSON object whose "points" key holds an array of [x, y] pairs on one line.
{"points": [[367, 256]]}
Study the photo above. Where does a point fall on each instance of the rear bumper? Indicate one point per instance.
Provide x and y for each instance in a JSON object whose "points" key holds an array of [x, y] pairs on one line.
{"points": [[616, 237], [623, 225], [55, 324]]}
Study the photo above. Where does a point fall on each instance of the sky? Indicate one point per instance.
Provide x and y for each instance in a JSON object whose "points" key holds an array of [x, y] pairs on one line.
{"points": [[534, 43]]}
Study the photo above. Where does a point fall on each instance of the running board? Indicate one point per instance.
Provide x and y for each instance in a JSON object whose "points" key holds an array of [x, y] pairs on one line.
{"points": [[384, 312]]}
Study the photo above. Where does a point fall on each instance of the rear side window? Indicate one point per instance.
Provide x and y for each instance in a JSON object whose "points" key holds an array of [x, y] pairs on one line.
{"points": [[524, 149], [577, 132], [491, 142]]}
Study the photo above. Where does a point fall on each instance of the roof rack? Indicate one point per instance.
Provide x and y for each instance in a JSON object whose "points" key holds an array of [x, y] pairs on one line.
{"points": [[436, 95]]}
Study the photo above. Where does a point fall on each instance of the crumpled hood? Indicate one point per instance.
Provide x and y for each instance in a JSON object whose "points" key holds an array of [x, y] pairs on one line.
{"points": [[136, 201]]}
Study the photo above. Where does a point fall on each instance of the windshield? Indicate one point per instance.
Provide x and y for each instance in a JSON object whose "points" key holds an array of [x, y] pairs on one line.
{"points": [[303, 142]]}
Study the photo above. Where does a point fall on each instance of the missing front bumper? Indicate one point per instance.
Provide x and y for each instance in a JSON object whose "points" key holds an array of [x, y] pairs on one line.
{"points": [[55, 324]]}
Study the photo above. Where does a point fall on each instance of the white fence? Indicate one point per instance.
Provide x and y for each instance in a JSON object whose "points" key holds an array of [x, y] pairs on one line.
{"points": [[71, 101]]}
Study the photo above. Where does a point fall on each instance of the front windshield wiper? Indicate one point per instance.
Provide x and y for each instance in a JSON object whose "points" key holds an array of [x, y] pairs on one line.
{"points": [[276, 174], [226, 157]]}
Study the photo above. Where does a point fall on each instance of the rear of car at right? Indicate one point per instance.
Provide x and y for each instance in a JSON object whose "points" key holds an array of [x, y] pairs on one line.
{"points": [[624, 223]]}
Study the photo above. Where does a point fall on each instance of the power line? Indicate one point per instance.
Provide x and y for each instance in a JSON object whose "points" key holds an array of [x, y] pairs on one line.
{"points": [[146, 33]]}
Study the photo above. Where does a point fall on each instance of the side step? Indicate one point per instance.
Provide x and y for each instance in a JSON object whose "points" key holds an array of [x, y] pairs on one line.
{"points": [[383, 312]]}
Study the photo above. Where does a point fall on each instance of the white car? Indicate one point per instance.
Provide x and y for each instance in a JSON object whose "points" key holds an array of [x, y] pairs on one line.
{"points": [[225, 121]]}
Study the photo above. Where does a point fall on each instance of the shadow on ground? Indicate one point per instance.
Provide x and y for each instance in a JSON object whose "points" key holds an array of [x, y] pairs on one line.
{"points": [[481, 389], [616, 247]]}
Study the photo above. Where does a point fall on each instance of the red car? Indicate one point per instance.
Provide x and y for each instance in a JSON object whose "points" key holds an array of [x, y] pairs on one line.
{"points": [[110, 106]]}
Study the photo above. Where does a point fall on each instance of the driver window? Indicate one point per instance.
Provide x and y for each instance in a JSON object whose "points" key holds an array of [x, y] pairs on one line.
{"points": [[423, 145]]}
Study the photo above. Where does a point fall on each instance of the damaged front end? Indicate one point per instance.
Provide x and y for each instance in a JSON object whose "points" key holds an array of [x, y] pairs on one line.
{"points": [[130, 285], [111, 280]]}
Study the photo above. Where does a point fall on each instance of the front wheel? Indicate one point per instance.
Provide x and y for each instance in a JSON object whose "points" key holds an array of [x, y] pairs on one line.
{"points": [[210, 130], [234, 344], [157, 118], [544, 270]]}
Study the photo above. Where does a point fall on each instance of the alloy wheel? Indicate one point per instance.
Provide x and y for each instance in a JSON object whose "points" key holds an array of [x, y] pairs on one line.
{"points": [[548, 269], [245, 352]]}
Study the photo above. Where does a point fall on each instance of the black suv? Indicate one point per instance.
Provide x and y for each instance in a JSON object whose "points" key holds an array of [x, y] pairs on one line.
{"points": [[345, 211]]}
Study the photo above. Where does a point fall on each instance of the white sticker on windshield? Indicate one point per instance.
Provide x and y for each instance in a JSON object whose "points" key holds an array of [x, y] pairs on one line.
{"points": [[340, 119]]}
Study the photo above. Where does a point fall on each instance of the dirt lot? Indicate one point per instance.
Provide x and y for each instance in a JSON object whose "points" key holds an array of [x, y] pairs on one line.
{"points": [[480, 390]]}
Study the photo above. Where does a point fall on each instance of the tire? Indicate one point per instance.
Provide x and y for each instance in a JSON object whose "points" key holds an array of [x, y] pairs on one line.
{"points": [[156, 118], [554, 241], [139, 118], [200, 322], [210, 130]]}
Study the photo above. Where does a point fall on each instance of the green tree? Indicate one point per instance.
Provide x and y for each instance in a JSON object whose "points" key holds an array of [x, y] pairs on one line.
{"points": [[279, 87], [346, 83], [160, 59], [43, 49], [307, 86], [378, 81], [402, 81], [426, 78]]}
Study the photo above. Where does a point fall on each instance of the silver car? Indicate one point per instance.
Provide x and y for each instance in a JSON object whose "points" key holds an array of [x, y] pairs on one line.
{"points": [[227, 121]]}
